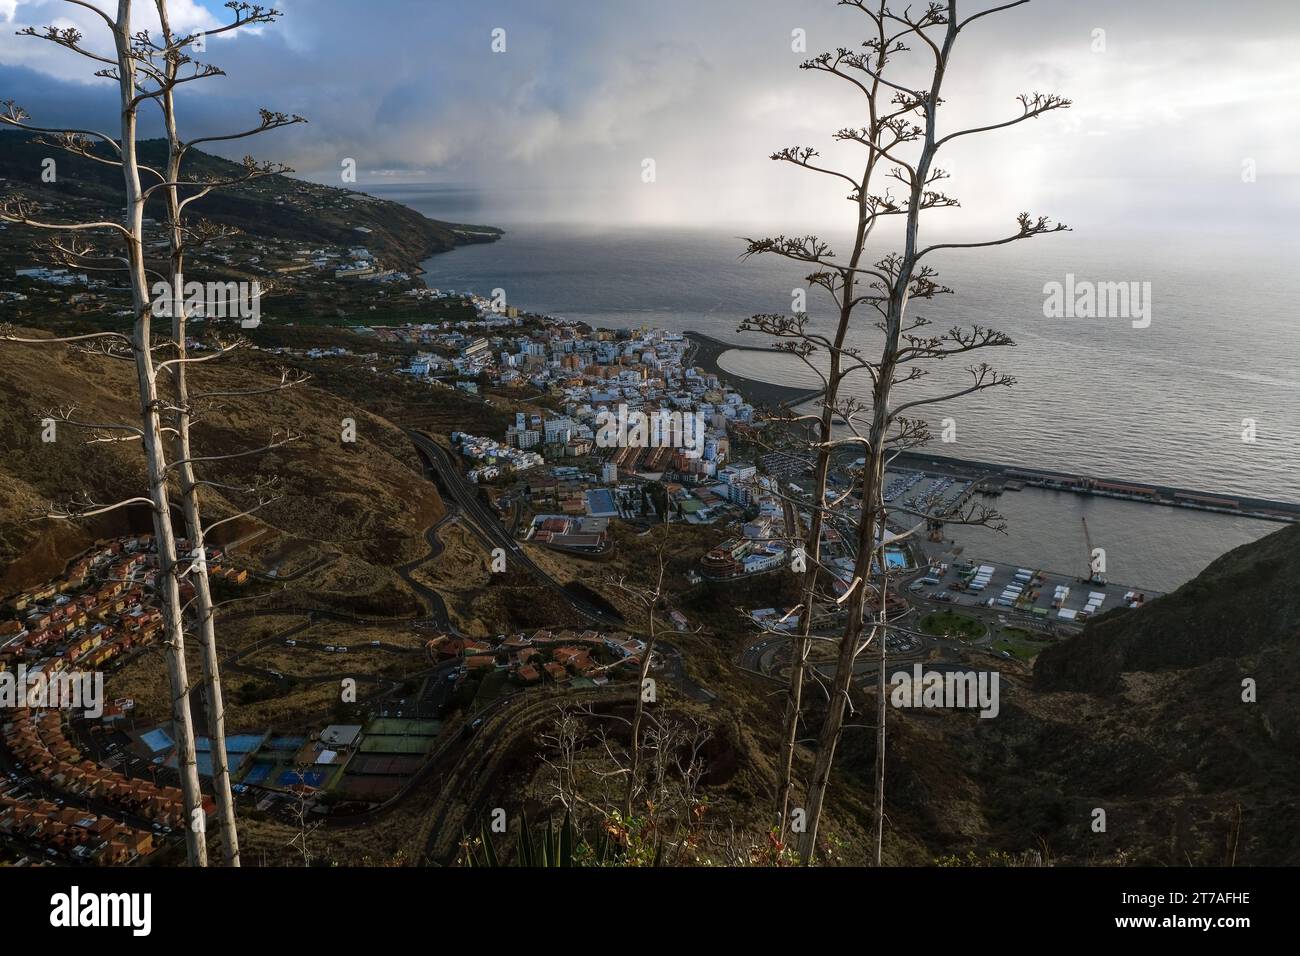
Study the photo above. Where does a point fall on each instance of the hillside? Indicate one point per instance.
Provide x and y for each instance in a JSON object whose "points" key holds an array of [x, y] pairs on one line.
{"points": [[1244, 604], [277, 207], [366, 502], [1141, 716]]}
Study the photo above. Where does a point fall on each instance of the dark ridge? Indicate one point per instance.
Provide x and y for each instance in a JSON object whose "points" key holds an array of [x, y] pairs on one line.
{"points": [[1245, 602], [274, 207]]}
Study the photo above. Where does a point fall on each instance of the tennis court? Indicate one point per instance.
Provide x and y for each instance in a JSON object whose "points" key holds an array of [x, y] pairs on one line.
{"points": [[369, 789], [306, 778], [257, 774], [390, 744], [384, 765], [397, 727]]}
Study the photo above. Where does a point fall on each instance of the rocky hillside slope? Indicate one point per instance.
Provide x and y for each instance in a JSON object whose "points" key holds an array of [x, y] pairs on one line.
{"points": [[1141, 716], [277, 207], [367, 501], [1243, 605]]}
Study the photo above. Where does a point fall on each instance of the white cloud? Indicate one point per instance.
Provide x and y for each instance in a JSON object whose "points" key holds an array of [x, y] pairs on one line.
{"points": [[587, 90]]}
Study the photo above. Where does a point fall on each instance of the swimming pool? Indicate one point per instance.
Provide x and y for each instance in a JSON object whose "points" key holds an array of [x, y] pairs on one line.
{"points": [[895, 559]]}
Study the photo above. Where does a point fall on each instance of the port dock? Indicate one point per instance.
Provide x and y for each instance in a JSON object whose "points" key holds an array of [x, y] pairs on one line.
{"points": [[993, 479]]}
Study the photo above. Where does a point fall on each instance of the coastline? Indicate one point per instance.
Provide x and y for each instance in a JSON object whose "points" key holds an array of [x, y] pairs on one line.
{"points": [[461, 236], [706, 350]]}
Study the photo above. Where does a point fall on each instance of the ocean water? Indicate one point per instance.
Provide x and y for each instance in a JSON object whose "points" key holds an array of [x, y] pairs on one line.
{"points": [[1167, 403]]}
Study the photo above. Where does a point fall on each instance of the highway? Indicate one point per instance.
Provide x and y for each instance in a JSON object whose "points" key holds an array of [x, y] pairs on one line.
{"points": [[490, 531]]}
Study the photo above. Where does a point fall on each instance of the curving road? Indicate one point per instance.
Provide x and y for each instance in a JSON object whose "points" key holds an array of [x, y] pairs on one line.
{"points": [[490, 531]]}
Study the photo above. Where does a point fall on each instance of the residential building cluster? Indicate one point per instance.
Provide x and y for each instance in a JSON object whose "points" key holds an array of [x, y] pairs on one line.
{"points": [[574, 658], [101, 609], [37, 740], [58, 277], [103, 606], [47, 829], [597, 375], [494, 458]]}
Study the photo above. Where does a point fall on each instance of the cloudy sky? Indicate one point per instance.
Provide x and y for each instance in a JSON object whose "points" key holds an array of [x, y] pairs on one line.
{"points": [[558, 125]]}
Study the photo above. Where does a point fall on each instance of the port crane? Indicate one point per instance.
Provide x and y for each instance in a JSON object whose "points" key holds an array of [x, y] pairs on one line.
{"points": [[1093, 575]]}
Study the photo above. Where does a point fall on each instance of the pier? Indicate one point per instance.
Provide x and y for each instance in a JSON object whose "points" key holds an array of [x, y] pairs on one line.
{"points": [[991, 478], [995, 479]]}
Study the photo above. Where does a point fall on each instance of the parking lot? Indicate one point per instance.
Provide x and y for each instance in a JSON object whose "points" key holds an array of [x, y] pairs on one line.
{"points": [[922, 493], [1036, 592]]}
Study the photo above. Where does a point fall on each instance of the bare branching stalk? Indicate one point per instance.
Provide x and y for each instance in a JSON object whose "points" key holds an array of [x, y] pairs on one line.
{"points": [[148, 69], [901, 141], [155, 455], [169, 56]]}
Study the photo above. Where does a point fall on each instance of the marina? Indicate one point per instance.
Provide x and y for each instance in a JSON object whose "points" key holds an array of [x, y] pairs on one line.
{"points": [[1161, 536]]}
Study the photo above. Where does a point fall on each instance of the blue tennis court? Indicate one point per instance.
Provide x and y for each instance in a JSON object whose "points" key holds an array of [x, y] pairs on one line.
{"points": [[307, 778], [257, 774], [601, 504], [236, 746]]}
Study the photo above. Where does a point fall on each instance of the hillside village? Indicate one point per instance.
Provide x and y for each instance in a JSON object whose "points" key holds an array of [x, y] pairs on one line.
{"points": [[101, 611]]}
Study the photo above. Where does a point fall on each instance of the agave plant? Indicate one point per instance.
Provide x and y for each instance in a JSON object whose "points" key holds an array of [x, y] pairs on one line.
{"points": [[549, 846]]}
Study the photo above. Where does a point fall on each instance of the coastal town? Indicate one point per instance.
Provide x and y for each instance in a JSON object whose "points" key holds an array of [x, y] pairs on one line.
{"points": [[512, 438], [606, 427]]}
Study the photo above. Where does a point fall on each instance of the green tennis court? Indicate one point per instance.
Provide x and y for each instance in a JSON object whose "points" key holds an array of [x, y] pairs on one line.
{"points": [[390, 744], [397, 727]]}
